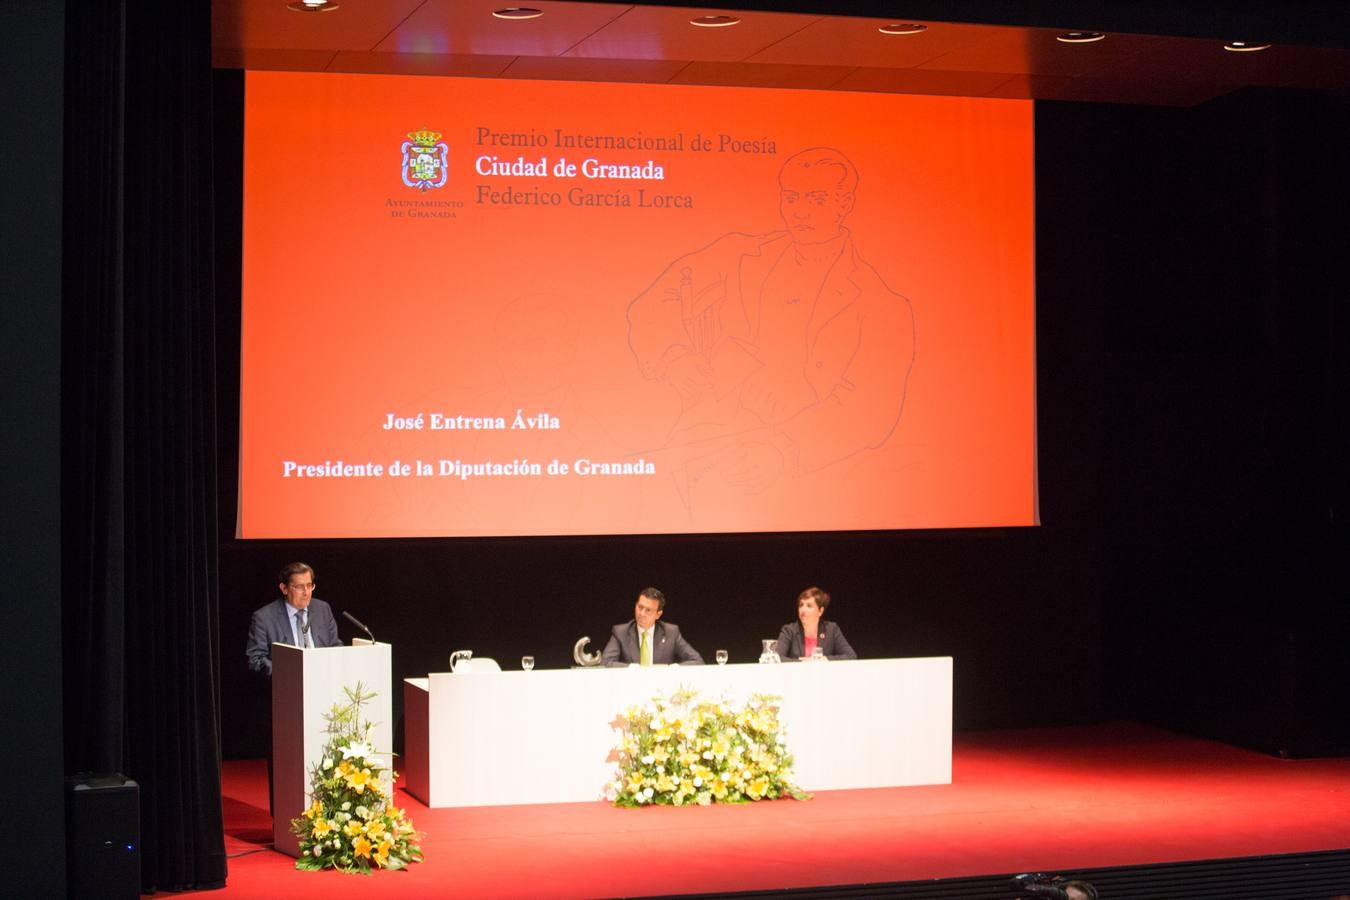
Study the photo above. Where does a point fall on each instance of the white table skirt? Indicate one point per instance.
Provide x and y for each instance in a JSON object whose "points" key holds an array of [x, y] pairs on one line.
{"points": [[544, 736]]}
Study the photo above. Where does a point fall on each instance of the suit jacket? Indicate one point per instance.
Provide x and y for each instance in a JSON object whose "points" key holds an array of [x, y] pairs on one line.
{"points": [[792, 641], [272, 625], [668, 646]]}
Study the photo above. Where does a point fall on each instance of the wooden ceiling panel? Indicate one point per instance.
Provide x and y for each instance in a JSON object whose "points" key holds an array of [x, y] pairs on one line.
{"points": [[740, 74], [924, 81], [645, 43], [1095, 90], [468, 27], [656, 32], [831, 39], [271, 60], [466, 66], [641, 71], [257, 24]]}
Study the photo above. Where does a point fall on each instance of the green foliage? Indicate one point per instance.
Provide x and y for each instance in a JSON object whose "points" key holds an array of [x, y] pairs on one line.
{"points": [[351, 825], [682, 750]]}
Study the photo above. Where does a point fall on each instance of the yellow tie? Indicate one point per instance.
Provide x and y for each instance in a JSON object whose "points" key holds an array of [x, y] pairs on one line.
{"points": [[646, 653]]}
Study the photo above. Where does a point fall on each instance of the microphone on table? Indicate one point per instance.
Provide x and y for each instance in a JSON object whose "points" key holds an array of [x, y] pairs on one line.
{"points": [[357, 622]]}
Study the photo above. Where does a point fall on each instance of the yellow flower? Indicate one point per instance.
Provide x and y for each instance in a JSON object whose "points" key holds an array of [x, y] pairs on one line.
{"points": [[321, 828], [382, 853], [353, 828], [635, 782], [759, 787], [314, 809], [719, 789], [358, 780], [375, 829], [661, 754], [361, 847]]}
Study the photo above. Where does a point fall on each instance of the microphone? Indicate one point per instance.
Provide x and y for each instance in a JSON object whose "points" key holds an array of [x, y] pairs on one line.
{"points": [[357, 622]]}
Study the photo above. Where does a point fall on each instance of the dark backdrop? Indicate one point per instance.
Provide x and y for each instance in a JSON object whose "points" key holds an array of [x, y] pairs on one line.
{"points": [[1189, 363]]}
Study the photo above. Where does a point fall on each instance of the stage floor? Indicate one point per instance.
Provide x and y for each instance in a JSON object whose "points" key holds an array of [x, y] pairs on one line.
{"points": [[1058, 800]]}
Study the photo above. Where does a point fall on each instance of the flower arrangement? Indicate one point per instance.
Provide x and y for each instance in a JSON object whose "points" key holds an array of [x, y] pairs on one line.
{"points": [[685, 750], [351, 825]]}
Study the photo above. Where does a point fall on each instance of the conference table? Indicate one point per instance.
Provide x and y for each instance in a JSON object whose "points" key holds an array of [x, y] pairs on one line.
{"points": [[545, 736]]}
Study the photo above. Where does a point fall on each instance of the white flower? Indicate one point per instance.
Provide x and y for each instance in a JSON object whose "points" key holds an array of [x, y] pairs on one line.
{"points": [[328, 764], [698, 782], [647, 792], [318, 850], [707, 754], [648, 759], [357, 749], [347, 804]]}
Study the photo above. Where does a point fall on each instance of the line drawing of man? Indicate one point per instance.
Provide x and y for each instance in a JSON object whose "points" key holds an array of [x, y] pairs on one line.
{"points": [[788, 351]]}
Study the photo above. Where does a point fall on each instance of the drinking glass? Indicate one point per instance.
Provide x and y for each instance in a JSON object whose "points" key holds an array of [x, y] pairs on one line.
{"points": [[721, 657], [527, 663], [817, 653]]}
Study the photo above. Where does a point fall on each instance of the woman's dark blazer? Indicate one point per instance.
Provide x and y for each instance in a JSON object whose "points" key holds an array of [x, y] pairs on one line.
{"points": [[792, 641]]}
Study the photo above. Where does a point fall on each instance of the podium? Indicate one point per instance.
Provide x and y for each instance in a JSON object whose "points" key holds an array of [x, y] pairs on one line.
{"points": [[306, 684]]}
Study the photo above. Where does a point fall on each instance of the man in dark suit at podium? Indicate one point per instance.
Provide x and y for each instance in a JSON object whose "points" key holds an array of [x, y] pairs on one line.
{"points": [[297, 617], [647, 641]]}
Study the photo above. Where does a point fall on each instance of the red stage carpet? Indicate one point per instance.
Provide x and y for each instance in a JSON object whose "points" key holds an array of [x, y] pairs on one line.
{"points": [[1050, 800]]}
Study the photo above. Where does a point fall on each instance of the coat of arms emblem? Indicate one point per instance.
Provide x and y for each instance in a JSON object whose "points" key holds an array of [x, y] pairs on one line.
{"points": [[425, 160]]}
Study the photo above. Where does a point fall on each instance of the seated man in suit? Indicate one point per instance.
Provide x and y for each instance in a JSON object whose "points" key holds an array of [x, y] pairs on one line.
{"points": [[297, 617], [647, 641]]}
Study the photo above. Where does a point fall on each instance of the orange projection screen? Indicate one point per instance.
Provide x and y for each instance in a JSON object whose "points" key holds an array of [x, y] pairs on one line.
{"points": [[498, 307]]}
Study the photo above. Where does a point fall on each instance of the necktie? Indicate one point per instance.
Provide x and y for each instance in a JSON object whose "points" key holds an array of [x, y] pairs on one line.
{"points": [[302, 624], [646, 657]]}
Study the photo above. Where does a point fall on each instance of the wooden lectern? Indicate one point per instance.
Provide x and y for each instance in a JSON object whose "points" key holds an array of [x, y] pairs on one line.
{"points": [[306, 684]]}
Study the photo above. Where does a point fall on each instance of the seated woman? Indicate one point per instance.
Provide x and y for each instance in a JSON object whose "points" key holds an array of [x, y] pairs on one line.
{"points": [[798, 639]]}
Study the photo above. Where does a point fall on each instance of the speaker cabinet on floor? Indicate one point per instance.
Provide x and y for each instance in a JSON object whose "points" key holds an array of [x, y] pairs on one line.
{"points": [[103, 836]]}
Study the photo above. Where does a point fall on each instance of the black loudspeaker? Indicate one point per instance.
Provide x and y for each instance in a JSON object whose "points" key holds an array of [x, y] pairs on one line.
{"points": [[103, 836]]}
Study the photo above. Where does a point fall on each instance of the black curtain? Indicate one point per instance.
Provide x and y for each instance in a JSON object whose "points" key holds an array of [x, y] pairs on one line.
{"points": [[140, 594]]}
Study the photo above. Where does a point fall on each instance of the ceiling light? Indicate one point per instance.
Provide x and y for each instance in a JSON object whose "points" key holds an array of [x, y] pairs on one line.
{"points": [[517, 12], [1244, 46], [714, 21], [1079, 37], [902, 28], [311, 6]]}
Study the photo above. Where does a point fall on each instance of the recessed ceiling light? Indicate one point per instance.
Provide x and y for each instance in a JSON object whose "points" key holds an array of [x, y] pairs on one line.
{"points": [[714, 21], [902, 28], [1244, 46], [311, 6], [517, 12], [1079, 37]]}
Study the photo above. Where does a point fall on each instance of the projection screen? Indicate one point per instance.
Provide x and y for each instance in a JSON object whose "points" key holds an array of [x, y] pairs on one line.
{"points": [[479, 307]]}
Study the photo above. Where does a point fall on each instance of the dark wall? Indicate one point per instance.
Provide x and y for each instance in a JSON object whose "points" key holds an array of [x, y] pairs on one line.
{"points": [[1047, 625], [31, 92], [1225, 367]]}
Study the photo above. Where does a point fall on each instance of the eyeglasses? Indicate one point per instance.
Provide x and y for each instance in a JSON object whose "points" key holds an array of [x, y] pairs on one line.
{"points": [[300, 587]]}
